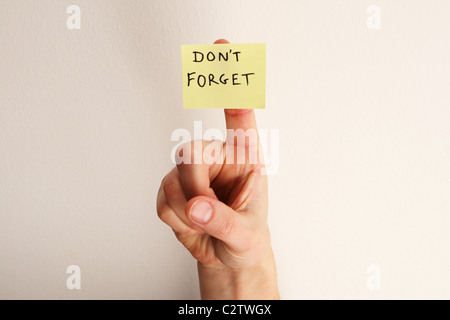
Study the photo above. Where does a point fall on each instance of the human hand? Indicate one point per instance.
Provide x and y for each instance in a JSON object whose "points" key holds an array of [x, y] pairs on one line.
{"points": [[218, 211]]}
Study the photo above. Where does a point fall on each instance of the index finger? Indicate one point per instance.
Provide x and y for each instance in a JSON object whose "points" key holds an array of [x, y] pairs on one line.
{"points": [[238, 118]]}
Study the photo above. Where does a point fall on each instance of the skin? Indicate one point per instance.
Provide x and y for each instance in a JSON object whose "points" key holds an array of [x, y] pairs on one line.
{"points": [[219, 212]]}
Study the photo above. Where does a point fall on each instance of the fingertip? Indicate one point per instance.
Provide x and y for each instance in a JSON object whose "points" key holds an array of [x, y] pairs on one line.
{"points": [[221, 41], [199, 209], [237, 112], [195, 200]]}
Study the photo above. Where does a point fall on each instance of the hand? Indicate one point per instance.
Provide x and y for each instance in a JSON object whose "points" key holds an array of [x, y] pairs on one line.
{"points": [[218, 211]]}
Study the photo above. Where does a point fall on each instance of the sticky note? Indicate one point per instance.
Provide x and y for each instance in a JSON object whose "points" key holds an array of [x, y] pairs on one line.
{"points": [[228, 76]]}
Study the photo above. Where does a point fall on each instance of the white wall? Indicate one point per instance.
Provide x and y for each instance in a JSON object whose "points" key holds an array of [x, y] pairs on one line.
{"points": [[85, 123]]}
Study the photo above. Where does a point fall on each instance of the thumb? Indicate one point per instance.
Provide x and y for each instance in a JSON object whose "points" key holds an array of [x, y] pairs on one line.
{"points": [[221, 222]]}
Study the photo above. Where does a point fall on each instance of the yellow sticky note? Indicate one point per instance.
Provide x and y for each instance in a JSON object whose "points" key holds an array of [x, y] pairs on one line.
{"points": [[229, 76]]}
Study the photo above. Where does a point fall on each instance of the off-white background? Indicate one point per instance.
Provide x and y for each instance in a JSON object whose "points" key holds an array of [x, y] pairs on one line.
{"points": [[85, 123]]}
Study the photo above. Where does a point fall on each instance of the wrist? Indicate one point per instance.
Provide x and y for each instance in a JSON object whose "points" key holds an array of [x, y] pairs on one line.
{"points": [[257, 282]]}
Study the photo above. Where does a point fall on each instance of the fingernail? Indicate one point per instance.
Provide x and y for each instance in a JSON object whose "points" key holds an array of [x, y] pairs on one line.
{"points": [[201, 212]]}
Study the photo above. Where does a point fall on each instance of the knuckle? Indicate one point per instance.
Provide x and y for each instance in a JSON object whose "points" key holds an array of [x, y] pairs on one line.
{"points": [[170, 186], [185, 149], [160, 203], [184, 231], [163, 211], [189, 151]]}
